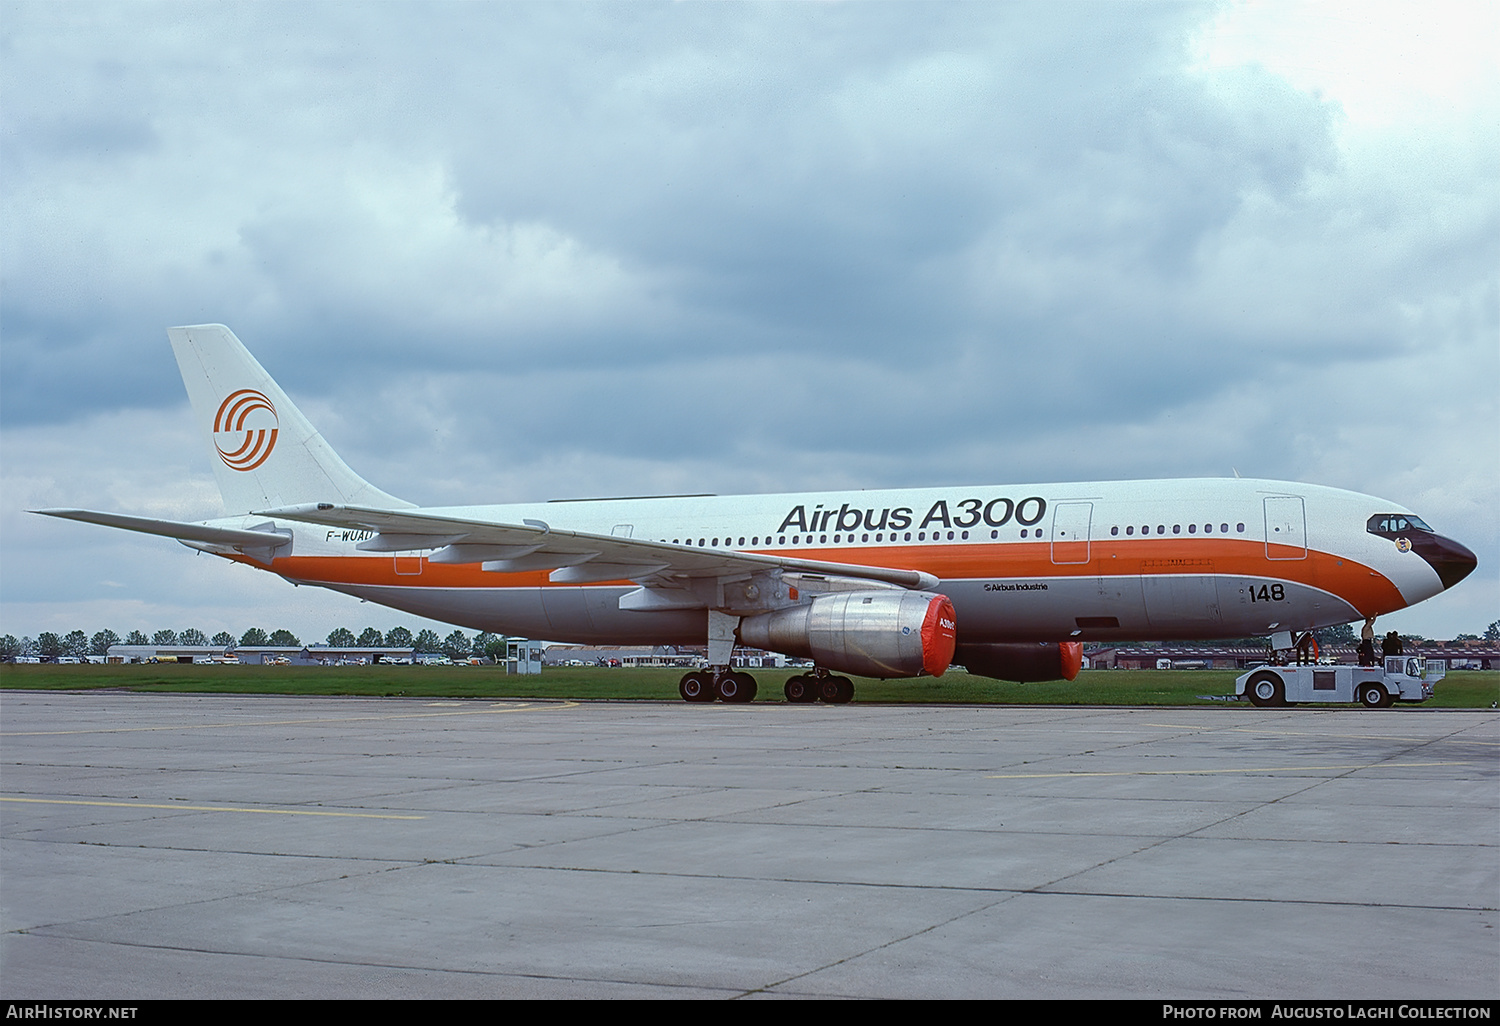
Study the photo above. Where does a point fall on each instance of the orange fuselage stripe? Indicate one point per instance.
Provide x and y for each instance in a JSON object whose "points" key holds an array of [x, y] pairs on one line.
{"points": [[1356, 583]]}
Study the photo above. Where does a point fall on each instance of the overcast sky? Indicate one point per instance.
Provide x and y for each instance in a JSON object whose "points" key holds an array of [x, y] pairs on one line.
{"points": [[520, 251]]}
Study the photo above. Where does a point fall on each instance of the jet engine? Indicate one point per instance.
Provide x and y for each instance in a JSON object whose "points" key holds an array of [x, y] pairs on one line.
{"points": [[1022, 662], [870, 633]]}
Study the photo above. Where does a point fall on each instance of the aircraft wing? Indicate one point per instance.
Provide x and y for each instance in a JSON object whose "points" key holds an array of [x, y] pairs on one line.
{"points": [[258, 544], [574, 557]]}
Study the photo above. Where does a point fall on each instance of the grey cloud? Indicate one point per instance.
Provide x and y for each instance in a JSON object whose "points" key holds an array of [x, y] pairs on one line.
{"points": [[752, 192]]}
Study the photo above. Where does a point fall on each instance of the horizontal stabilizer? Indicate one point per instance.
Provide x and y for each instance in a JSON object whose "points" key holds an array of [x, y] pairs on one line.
{"points": [[180, 530]]}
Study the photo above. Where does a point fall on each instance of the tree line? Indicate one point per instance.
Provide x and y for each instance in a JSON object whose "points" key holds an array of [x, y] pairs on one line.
{"points": [[458, 645], [78, 645]]}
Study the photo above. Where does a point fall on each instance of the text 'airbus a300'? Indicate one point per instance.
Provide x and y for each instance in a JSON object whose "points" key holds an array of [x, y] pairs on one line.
{"points": [[1007, 581]]}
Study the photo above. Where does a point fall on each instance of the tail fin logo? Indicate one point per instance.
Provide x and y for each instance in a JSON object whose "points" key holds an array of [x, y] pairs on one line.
{"points": [[245, 429]]}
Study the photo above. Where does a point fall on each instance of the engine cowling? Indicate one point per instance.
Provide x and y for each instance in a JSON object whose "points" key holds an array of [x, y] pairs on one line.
{"points": [[1024, 662], [869, 633]]}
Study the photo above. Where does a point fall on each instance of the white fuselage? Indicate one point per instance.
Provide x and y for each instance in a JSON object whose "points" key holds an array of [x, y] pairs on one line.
{"points": [[1132, 560]]}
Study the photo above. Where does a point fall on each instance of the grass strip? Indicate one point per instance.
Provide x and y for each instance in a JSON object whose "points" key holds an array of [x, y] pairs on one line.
{"points": [[1461, 689]]}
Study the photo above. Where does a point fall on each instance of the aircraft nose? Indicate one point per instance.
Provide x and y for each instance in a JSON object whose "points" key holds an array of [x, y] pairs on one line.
{"points": [[1452, 561]]}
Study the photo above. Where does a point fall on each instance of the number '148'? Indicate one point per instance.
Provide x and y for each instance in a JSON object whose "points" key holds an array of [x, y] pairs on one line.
{"points": [[1267, 593]]}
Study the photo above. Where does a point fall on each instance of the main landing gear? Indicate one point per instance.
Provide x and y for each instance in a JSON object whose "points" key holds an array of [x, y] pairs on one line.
{"points": [[820, 684], [717, 682]]}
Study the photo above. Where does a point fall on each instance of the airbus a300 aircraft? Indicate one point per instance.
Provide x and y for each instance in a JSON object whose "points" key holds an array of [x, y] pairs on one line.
{"points": [[1007, 581]]}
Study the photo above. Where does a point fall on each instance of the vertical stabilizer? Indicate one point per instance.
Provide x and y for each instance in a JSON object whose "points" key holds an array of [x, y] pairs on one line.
{"points": [[266, 453]]}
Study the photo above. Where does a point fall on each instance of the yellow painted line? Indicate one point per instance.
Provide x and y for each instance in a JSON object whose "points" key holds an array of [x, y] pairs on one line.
{"points": [[498, 708], [1206, 772], [1210, 729], [208, 808]]}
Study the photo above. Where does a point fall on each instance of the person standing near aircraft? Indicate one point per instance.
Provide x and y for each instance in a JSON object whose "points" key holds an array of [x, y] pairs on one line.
{"points": [[1367, 642], [1304, 648]]}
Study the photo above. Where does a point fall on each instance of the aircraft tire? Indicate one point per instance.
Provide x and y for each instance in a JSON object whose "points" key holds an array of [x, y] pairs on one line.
{"points": [[1265, 690], [836, 690], [800, 690], [736, 687], [696, 687]]}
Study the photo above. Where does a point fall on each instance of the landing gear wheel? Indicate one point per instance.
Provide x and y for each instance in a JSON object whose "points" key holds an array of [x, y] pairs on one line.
{"points": [[800, 689], [697, 686], [1265, 689], [836, 690], [735, 687], [1373, 696]]}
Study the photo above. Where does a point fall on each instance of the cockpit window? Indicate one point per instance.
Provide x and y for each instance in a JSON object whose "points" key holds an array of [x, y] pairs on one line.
{"points": [[1392, 524]]}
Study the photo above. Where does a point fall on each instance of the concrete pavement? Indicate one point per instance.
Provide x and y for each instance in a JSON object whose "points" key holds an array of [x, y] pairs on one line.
{"points": [[157, 846]]}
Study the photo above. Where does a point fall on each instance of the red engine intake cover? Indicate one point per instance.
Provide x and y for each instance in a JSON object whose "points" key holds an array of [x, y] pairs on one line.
{"points": [[1072, 658], [939, 635]]}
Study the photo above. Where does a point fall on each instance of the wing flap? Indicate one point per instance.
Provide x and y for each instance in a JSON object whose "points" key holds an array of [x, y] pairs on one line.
{"points": [[465, 538], [593, 571], [542, 560], [463, 553]]}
